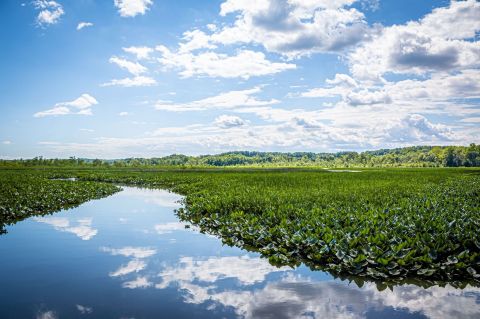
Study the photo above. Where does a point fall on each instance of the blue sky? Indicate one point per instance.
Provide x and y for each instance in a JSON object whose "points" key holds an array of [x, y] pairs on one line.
{"points": [[143, 78]]}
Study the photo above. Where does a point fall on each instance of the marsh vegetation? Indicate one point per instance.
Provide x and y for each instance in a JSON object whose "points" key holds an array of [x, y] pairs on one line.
{"points": [[379, 223]]}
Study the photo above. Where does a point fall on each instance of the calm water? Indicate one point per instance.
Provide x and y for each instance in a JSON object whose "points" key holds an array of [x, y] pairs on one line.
{"points": [[127, 256]]}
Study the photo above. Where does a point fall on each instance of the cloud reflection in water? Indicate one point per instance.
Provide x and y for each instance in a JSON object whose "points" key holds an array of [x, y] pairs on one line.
{"points": [[83, 228]]}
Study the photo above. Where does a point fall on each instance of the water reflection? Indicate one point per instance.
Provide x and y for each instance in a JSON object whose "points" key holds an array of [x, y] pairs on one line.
{"points": [[84, 310], [130, 250], [47, 315], [82, 227]]}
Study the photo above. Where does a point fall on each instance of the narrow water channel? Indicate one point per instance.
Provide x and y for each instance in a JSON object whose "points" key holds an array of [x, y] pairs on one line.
{"points": [[128, 256]]}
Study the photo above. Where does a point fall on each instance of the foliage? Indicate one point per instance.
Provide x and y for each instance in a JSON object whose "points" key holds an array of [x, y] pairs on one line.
{"points": [[417, 156], [24, 194], [378, 223], [391, 223]]}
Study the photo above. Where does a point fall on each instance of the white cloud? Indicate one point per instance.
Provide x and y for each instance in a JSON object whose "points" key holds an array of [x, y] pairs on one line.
{"points": [[440, 93], [139, 282], [299, 295], [293, 28], [83, 229], [168, 228], [134, 68], [440, 87], [246, 270], [195, 39], [416, 128], [131, 8], [84, 310], [135, 252], [441, 41], [341, 127], [6, 142], [135, 265], [80, 106], [82, 25], [471, 120], [83, 102], [47, 315], [366, 97], [227, 100], [50, 12], [350, 95], [229, 121], [244, 64], [156, 197], [132, 82], [123, 114], [140, 52], [211, 27]]}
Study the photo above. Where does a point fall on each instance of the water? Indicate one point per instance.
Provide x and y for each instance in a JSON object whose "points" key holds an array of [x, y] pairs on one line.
{"points": [[128, 256]]}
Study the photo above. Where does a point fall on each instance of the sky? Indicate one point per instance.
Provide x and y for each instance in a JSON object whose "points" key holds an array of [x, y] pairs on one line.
{"points": [[148, 78]]}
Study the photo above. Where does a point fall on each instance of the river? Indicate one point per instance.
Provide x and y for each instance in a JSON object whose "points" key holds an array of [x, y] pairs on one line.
{"points": [[128, 256]]}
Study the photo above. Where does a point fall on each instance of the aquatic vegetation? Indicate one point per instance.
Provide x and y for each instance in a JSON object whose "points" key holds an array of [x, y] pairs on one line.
{"points": [[377, 223], [28, 193]]}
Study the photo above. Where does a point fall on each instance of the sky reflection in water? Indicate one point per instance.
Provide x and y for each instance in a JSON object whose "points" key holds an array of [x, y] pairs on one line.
{"points": [[128, 256]]}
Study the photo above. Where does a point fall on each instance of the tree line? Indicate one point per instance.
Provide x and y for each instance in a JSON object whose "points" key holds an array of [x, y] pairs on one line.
{"points": [[416, 156]]}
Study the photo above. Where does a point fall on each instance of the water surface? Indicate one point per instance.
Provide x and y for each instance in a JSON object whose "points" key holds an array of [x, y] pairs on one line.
{"points": [[128, 256]]}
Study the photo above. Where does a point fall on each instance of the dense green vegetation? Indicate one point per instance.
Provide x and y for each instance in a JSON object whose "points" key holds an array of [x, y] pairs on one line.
{"points": [[27, 193], [379, 223], [417, 156]]}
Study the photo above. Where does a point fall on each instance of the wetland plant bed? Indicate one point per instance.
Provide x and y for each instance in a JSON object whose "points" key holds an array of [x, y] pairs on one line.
{"points": [[24, 194], [381, 224]]}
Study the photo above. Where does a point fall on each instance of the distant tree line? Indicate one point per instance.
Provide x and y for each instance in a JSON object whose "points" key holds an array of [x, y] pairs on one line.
{"points": [[416, 156]]}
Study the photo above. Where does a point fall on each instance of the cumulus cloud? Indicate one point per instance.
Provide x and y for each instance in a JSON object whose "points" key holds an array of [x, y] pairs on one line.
{"points": [[227, 100], [47, 315], [135, 265], [131, 8], [162, 199], [139, 282], [350, 91], [135, 252], [441, 41], [245, 269], [416, 128], [195, 39], [366, 97], [134, 68], [167, 228], [473, 120], [294, 296], [84, 310], [80, 106], [6, 142], [229, 121], [50, 12], [83, 228], [307, 123], [293, 28], [132, 82], [243, 64], [140, 52], [82, 25]]}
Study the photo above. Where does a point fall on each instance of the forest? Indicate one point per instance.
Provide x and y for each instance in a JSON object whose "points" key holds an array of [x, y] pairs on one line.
{"points": [[415, 156]]}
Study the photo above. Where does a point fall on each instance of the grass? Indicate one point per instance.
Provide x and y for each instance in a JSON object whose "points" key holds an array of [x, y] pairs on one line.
{"points": [[380, 224]]}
